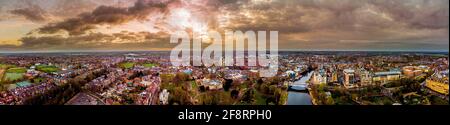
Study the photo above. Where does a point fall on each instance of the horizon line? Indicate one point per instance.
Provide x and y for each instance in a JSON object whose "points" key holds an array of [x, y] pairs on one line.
{"points": [[284, 50]]}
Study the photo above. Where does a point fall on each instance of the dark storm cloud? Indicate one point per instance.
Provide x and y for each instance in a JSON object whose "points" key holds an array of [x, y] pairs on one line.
{"points": [[32, 42], [371, 24], [93, 40], [33, 13], [1, 13], [71, 8], [344, 15], [105, 15]]}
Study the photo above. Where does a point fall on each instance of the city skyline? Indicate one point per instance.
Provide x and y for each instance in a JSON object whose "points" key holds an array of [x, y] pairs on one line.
{"points": [[146, 25]]}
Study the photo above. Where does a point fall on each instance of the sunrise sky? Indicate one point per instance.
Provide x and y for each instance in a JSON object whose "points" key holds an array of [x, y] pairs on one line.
{"points": [[46, 25]]}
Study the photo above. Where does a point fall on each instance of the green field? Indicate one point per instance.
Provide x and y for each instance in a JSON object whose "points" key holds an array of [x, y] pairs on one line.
{"points": [[149, 65], [38, 80], [10, 73], [47, 68], [127, 65], [13, 76], [5, 66], [2, 66], [16, 70]]}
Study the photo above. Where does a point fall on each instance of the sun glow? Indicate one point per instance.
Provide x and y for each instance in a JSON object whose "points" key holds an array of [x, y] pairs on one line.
{"points": [[186, 20]]}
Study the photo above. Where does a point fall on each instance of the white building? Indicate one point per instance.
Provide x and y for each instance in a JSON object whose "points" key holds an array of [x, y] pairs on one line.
{"points": [[319, 78], [349, 77], [366, 77], [164, 97]]}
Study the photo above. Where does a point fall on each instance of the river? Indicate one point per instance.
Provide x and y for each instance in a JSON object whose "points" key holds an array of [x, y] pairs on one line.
{"points": [[300, 98]]}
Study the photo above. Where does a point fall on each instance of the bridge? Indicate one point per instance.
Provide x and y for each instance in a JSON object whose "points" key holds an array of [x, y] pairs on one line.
{"points": [[301, 84]]}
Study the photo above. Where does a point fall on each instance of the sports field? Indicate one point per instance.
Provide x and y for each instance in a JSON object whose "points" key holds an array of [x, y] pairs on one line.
{"points": [[127, 65], [13, 76], [14, 73], [2, 66], [16, 70], [149, 65], [47, 68]]}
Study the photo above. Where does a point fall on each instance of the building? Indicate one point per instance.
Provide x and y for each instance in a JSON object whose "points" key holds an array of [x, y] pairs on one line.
{"points": [[291, 74], [437, 86], [413, 71], [334, 77], [438, 83], [319, 78], [145, 83], [164, 97], [365, 77], [349, 77], [384, 77], [211, 84]]}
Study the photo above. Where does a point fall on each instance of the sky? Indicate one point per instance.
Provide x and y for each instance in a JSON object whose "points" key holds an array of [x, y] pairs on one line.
{"points": [[70, 25]]}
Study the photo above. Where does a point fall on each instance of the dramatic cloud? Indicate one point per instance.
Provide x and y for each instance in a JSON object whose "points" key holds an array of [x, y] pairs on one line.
{"points": [[70, 8], [33, 13], [1, 14], [94, 40], [302, 24], [106, 15], [305, 15], [322, 24]]}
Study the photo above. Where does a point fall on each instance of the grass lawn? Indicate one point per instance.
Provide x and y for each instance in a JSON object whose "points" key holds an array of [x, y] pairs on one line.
{"points": [[13, 76], [149, 65], [127, 65], [12, 73], [5, 66], [2, 66], [38, 80], [16, 70], [47, 68]]}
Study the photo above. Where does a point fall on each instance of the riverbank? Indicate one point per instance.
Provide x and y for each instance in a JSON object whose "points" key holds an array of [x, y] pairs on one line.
{"points": [[313, 98]]}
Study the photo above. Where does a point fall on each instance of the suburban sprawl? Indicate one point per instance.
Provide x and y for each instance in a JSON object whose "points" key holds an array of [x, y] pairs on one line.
{"points": [[148, 78]]}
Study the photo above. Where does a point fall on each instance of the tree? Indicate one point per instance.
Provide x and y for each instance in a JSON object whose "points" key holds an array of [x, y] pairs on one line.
{"points": [[280, 96], [260, 81], [223, 98], [227, 85], [264, 88], [202, 88], [272, 89], [329, 101], [180, 78], [234, 94], [248, 96], [180, 96]]}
